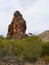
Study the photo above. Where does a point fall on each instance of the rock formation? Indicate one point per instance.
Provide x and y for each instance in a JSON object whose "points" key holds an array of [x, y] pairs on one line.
{"points": [[17, 28], [44, 36]]}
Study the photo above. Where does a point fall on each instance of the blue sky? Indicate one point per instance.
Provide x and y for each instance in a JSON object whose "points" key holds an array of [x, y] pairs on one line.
{"points": [[35, 12]]}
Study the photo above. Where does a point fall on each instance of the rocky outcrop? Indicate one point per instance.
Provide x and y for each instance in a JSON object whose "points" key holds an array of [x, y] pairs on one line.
{"points": [[44, 36], [17, 28]]}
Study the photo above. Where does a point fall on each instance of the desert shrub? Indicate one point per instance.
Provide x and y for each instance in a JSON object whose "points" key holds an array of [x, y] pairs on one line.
{"points": [[46, 58], [30, 48], [45, 49], [33, 49]]}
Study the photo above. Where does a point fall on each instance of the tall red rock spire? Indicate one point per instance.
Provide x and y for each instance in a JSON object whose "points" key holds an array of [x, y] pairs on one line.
{"points": [[17, 28]]}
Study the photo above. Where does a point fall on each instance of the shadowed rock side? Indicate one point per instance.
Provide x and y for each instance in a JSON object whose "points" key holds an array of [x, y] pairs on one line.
{"points": [[17, 28]]}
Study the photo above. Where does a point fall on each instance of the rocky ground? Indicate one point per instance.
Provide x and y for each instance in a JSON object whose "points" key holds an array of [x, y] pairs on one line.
{"points": [[14, 62], [27, 63]]}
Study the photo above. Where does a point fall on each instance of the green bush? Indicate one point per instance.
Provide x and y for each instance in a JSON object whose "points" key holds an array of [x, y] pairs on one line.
{"points": [[46, 49], [30, 48], [46, 58]]}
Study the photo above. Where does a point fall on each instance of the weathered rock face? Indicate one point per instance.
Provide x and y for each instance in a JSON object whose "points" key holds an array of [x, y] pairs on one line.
{"points": [[17, 28]]}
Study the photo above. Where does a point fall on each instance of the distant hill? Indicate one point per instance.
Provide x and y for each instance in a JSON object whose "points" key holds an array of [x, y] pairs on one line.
{"points": [[44, 36]]}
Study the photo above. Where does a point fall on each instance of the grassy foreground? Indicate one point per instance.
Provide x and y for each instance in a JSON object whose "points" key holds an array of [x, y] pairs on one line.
{"points": [[29, 49]]}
